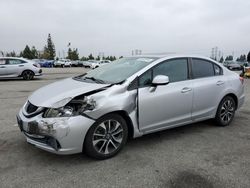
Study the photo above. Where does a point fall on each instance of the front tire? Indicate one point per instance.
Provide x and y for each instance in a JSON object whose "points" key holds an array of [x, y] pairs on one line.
{"points": [[106, 137], [225, 112]]}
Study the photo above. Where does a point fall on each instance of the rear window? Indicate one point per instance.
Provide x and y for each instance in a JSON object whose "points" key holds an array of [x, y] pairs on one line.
{"points": [[202, 68], [217, 70]]}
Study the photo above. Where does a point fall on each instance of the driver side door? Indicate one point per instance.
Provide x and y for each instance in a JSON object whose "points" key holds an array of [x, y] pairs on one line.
{"points": [[165, 105]]}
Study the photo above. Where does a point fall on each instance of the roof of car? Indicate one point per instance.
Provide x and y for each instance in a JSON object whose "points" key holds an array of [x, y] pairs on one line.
{"points": [[172, 55], [21, 58]]}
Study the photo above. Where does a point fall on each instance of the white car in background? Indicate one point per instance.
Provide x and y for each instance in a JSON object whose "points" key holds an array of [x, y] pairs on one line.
{"points": [[63, 63], [87, 64], [99, 63], [19, 67]]}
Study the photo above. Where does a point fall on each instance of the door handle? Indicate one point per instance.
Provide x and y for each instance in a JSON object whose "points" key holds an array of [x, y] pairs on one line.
{"points": [[20, 65], [220, 83], [186, 89], [2, 67]]}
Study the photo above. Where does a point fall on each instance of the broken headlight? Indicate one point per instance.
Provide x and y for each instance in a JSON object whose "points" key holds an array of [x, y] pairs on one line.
{"points": [[58, 112], [73, 108]]}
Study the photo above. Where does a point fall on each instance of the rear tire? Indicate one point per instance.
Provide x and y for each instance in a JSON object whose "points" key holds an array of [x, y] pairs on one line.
{"points": [[28, 75], [106, 137], [225, 112]]}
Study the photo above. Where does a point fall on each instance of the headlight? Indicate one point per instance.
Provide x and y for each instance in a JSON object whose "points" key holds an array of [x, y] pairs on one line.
{"points": [[59, 112], [88, 104], [74, 107]]}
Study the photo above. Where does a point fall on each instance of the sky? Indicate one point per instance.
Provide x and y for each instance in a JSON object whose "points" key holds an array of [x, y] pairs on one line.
{"points": [[116, 27]]}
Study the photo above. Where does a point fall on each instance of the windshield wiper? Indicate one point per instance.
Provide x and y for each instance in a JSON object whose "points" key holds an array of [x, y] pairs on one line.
{"points": [[95, 80]]}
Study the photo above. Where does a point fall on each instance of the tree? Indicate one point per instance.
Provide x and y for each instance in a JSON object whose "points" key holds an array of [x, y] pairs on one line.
{"points": [[98, 58], [221, 60], [73, 54], [69, 53], [45, 54], [248, 57], [242, 58], [91, 57], [229, 58], [49, 49], [27, 53], [120, 57], [34, 52], [84, 58], [11, 54]]}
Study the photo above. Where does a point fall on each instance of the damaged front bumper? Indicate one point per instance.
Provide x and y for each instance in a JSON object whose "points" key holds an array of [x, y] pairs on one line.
{"points": [[62, 135]]}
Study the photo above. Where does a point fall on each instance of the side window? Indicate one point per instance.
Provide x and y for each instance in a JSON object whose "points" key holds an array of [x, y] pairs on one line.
{"points": [[145, 79], [2, 61], [217, 70], [202, 68], [14, 61], [176, 69]]}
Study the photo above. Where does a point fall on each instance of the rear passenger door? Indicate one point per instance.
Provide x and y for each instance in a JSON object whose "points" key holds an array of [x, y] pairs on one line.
{"points": [[209, 84], [15, 66]]}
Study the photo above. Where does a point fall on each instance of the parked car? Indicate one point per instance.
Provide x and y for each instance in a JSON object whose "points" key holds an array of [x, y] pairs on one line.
{"points": [[232, 65], [44, 62], [87, 64], [99, 63], [19, 67], [81, 63], [75, 63], [63, 63], [96, 112]]}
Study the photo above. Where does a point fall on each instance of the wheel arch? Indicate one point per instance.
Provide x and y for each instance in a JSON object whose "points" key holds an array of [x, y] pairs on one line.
{"points": [[126, 117], [233, 96], [27, 70]]}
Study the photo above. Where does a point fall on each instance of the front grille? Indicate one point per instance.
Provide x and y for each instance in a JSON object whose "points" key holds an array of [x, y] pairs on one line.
{"points": [[30, 108], [48, 140]]}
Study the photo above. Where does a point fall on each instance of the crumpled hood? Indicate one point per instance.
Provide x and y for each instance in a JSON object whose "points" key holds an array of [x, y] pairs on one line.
{"points": [[55, 92]]}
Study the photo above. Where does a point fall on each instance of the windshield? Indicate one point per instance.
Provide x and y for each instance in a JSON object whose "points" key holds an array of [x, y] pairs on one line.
{"points": [[117, 71]]}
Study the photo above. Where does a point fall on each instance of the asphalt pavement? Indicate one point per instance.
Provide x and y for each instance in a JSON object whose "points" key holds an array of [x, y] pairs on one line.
{"points": [[196, 155]]}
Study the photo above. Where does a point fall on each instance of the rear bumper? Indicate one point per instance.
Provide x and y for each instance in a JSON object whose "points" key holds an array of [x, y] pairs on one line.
{"points": [[55, 135], [39, 72], [241, 101]]}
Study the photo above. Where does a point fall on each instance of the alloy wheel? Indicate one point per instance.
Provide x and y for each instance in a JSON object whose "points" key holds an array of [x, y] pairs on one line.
{"points": [[107, 137], [227, 110]]}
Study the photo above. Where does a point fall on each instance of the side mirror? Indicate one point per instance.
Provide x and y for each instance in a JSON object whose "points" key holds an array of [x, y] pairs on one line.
{"points": [[160, 80]]}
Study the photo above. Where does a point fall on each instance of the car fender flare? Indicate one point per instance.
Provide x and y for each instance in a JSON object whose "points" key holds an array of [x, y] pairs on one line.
{"points": [[26, 70]]}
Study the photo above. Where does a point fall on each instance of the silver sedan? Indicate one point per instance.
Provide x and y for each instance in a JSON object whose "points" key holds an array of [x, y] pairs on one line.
{"points": [[19, 67], [98, 111]]}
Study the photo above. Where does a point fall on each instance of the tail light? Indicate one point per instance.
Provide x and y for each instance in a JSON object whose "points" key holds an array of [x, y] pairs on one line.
{"points": [[241, 80], [36, 65]]}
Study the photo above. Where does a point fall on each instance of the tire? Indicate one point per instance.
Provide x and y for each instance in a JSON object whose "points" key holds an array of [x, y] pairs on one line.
{"points": [[28, 75], [62, 66], [225, 112], [106, 137]]}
